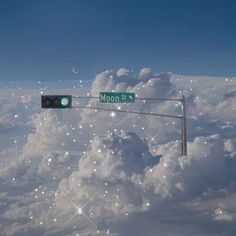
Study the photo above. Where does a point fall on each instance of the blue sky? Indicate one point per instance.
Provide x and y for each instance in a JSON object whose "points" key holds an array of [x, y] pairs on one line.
{"points": [[43, 40]]}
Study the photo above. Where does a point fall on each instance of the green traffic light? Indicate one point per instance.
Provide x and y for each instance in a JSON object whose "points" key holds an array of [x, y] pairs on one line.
{"points": [[65, 101], [56, 101]]}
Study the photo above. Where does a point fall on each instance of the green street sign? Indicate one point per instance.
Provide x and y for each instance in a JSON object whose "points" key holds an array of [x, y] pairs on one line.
{"points": [[56, 101], [111, 97]]}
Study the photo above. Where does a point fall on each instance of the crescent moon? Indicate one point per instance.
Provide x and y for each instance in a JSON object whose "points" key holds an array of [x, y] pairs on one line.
{"points": [[75, 71]]}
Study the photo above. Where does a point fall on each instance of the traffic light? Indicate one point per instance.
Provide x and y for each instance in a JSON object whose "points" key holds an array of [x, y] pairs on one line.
{"points": [[56, 101]]}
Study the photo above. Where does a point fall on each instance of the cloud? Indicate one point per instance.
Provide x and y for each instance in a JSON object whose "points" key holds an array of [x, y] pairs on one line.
{"points": [[177, 177], [104, 179], [118, 177], [154, 85], [124, 80], [48, 133], [230, 147], [220, 214], [145, 74], [80, 171]]}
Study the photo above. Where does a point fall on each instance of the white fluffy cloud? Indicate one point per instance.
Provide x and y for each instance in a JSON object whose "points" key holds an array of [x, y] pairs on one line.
{"points": [[145, 74], [230, 147], [118, 177], [106, 173], [122, 174], [49, 132], [220, 214], [188, 176], [154, 85]]}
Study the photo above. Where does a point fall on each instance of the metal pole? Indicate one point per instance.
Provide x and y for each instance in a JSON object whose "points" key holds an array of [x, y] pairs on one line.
{"points": [[184, 129], [182, 136]]}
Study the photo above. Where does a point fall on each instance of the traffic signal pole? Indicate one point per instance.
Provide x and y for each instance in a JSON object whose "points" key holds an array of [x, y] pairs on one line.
{"points": [[183, 117], [65, 101], [183, 129]]}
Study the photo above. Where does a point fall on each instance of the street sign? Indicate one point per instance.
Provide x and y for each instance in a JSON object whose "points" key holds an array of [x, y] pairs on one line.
{"points": [[56, 101], [111, 97]]}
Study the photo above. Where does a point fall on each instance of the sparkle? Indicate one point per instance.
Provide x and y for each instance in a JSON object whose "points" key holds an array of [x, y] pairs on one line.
{"points": [[152, 139], [113, 114], [79, 209], [165, 164], [80, 212]]}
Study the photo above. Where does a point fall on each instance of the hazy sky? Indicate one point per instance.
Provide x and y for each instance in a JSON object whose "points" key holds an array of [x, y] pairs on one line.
{"points": [[43, 40]]}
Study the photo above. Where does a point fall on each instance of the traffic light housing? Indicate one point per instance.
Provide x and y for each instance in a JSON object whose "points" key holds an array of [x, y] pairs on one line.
{"points": [[56, 101]]}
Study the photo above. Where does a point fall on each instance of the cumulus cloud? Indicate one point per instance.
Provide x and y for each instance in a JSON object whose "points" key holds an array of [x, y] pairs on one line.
{"points": [[119, 177], [220, 214], [124, 80], [106, 173], [145, 74], [154, 85], [48, 133], [121, 174], [230, 147], [188, 176]]}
